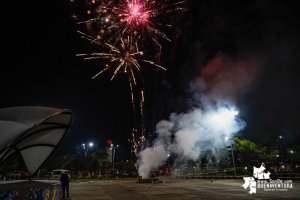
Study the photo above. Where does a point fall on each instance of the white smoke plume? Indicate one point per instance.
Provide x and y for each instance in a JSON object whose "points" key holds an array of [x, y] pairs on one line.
{"points": [[203, 127]]}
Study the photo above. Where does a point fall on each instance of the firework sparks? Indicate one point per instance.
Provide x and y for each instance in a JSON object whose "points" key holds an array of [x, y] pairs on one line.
{"points": [[122, 29], [142, 102], [138, 143], [112, 20], [124, 55]]}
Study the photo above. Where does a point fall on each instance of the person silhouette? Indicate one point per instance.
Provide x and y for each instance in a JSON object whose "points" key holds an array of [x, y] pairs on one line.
{"points": [[64, 179]]}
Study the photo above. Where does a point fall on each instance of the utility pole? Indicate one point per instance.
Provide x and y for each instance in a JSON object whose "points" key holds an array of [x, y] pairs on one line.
{"points": [[232, 154], [232, 157]]}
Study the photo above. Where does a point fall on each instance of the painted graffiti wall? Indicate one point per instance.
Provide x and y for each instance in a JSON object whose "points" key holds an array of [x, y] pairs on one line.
{"points": [[43, 193]]}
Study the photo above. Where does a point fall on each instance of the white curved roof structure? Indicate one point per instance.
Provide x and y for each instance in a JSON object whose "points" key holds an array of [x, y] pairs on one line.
{"points": [[33, 132]]}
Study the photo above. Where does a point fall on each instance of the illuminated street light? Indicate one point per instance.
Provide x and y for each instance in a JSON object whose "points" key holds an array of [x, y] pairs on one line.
{"points": [[280, 137], [292, 152], [277, 155], [114, 152], [87, 147]]}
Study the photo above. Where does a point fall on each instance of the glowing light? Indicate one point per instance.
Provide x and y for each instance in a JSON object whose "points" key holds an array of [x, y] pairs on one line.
{"points": [[132, 18], [225, 114], [124, 52], [91, 144]]}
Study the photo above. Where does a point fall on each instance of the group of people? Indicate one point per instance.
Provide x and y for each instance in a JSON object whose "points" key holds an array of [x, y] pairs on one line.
{"points": [[16, 175]]}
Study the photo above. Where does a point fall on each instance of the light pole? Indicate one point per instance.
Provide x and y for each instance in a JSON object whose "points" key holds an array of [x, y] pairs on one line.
{"points": [[86, 148], [232, 154], [280, 146], [114, 152], [291, 160]]}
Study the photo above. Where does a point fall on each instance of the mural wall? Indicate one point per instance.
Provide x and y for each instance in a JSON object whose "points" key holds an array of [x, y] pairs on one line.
{"points": [[43, 193]]}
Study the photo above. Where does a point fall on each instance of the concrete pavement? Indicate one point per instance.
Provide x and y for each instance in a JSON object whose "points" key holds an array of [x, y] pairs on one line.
{"points": [[175, 190]]}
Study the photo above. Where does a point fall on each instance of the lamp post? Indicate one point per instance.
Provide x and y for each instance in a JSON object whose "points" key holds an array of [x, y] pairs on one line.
{"points": [[86, 148], [232, 154], [280, 137], [113, 148]]}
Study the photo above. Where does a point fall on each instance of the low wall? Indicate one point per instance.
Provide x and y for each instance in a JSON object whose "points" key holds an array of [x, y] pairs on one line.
{"points": [[39, 190]]}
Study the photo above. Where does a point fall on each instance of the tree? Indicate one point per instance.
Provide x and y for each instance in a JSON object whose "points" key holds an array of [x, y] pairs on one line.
{"points": [[203, 161], [88, 161], [247, 152], [129, 166], [13, 163], [213, 160], [64, 162], [224, 158], [267, 155], [293, 155], [101, 156]]}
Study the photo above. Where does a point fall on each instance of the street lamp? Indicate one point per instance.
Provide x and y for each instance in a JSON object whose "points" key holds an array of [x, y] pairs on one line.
{"points": [[114, 152], [87, 148], [226, 138], [280, 137]]}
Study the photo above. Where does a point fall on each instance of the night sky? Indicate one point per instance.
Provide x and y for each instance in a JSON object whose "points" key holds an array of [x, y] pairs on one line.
{"points": [[39, 68]]}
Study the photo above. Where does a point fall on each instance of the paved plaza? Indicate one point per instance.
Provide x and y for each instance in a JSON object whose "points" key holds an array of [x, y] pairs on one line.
{"points": [[175, 190]]}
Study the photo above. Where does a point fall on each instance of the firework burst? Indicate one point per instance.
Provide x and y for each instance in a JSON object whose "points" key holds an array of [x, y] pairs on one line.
{"points": [[125, 55], [138, 143], [111, 20], [121, 29]]}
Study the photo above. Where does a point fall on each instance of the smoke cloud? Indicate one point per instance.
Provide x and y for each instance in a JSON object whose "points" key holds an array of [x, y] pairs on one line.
{"points": [[205, 125]]}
